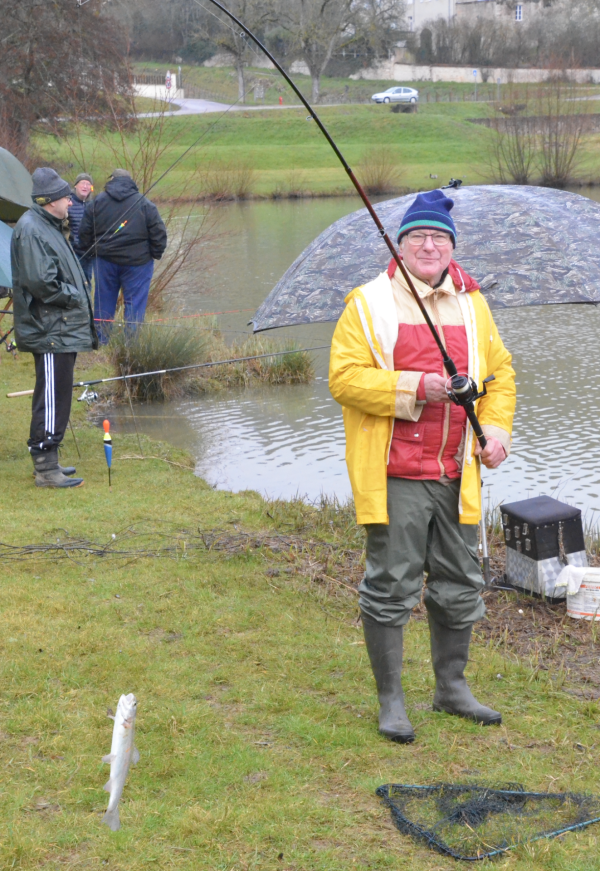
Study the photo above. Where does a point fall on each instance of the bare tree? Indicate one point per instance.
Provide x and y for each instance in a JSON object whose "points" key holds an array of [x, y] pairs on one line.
{"points": [[143, 149], [58, 59], [319, 27], [257, 15]]}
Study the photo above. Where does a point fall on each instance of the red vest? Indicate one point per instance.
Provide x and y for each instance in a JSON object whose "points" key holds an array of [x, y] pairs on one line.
{"points": [[429, 448]]}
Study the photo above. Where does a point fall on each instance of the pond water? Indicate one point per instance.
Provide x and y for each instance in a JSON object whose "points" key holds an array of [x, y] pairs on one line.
{"points": [[288, 440]]}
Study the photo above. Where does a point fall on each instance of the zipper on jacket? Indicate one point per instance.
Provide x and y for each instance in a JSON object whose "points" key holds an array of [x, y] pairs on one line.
{"points": [[446, 424]]}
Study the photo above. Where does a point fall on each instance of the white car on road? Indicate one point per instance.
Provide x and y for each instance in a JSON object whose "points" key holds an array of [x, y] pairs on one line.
{"points": [[397, 95]]}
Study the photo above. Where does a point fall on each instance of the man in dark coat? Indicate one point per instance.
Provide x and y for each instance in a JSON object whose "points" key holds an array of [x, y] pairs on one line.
{"points": [[80, 195], [53, 319], [128, 235]]}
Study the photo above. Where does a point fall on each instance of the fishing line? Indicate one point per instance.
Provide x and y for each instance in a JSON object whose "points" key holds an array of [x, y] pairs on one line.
{"points": [[138, 203]]}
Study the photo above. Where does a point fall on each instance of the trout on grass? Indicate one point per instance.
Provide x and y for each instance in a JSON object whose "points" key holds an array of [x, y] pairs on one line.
{"points": [[122, 754]]}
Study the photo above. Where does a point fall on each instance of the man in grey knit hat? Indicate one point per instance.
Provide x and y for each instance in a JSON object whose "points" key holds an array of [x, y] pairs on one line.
{"points": [[53, 319]]}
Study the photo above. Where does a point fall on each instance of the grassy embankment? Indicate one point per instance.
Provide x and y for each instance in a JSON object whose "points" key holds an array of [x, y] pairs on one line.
{"points": [[284, 149], [286, 153], [257, 716]]}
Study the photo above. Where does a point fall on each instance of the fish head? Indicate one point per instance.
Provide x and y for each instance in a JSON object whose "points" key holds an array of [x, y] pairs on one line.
{"points": [[126, 709]]}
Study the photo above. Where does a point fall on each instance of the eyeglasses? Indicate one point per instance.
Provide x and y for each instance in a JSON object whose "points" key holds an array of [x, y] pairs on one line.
{"points": [[440, 240]]}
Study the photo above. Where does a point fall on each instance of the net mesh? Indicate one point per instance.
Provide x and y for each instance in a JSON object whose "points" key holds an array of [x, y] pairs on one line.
{"points": [[477, 821]]}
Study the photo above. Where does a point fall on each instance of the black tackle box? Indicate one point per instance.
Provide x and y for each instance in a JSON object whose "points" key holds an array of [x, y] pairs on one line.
{"points": [[542, 535]]}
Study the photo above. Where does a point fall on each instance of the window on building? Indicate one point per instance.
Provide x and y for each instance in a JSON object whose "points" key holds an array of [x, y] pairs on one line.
{"points": [[519, 12]]}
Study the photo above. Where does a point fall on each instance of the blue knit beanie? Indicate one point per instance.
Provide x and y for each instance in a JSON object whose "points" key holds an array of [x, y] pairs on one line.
{"points": [[430, 210]]}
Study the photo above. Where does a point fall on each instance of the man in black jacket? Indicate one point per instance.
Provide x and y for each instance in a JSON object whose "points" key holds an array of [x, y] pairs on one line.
{"points": [[128, 235], [53, 319]]}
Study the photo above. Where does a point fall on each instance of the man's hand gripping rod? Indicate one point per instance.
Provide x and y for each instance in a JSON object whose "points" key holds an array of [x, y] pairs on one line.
{"points": [[462, 390]]}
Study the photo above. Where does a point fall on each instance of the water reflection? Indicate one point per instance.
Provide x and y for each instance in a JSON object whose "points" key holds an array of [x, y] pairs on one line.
{"points": [[289, 440]]}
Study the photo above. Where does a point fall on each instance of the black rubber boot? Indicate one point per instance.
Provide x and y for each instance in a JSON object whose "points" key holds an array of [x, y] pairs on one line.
{"points": [[384, 646], [48, 473], [449, 655]]}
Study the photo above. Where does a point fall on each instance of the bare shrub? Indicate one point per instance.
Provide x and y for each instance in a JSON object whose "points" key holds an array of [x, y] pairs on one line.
{"points": [[155, 346], [296, 184], [228, 180], [562, 122], [144, 148], [512, 151], [379, 172], [539, 133], [190, 250]]}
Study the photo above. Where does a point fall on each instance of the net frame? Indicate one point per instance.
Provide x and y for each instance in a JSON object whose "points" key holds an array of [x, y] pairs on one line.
{"points": [[489, 800]]}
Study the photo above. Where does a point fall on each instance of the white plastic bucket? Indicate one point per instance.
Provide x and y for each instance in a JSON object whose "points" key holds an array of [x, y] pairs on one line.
{"points": [[585, 603]]}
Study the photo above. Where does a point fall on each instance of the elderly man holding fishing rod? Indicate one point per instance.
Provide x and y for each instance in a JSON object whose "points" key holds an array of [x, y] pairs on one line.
{"points": [[413, 459], [53, 319]]}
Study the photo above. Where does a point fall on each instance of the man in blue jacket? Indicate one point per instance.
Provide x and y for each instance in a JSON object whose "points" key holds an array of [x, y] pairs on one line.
{"points": [[128, 235], [80, 195]]}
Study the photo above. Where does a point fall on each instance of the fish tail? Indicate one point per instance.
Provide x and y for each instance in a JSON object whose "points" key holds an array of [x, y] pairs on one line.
{"points": [[111, 818]]}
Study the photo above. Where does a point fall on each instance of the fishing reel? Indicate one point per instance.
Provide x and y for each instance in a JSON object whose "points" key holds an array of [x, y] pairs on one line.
{"points": [[88, 396], [462, 390], [454, 183]]}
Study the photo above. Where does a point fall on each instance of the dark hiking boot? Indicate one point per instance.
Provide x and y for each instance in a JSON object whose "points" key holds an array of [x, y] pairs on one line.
{"points": [[48, 473], [449, 655], [385, 647]]}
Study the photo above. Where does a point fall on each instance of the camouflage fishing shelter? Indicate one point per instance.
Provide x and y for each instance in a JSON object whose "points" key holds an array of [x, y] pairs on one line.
{"points": [[525, 245], [15, 187]]}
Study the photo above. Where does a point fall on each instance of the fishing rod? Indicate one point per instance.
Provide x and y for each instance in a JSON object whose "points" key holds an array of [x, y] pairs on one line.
{"points": [[90, 396], [461, 389]]}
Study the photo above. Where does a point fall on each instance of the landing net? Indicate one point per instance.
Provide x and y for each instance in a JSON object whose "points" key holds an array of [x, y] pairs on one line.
{"points": [[474, 822]]}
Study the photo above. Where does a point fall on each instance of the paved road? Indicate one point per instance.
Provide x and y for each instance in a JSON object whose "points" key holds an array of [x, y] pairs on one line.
{"points": [[189, 106]]}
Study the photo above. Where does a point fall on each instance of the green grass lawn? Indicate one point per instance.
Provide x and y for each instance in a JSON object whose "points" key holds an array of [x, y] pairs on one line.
{"points": [[285, 151], [439, 140], [257, 713]]}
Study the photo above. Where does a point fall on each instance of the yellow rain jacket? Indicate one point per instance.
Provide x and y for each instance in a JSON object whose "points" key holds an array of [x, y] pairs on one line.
{"points": [[362, 379]]}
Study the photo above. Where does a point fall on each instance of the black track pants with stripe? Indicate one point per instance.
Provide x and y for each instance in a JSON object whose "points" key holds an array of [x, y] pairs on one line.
{"points": [[51, 405]]}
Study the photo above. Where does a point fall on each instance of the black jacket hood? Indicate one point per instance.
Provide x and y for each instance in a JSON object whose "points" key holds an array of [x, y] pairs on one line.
{"points": [[121, 188]]}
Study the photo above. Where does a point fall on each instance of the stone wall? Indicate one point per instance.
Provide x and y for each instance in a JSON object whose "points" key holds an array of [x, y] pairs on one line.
{"points": [[391, 71]]}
